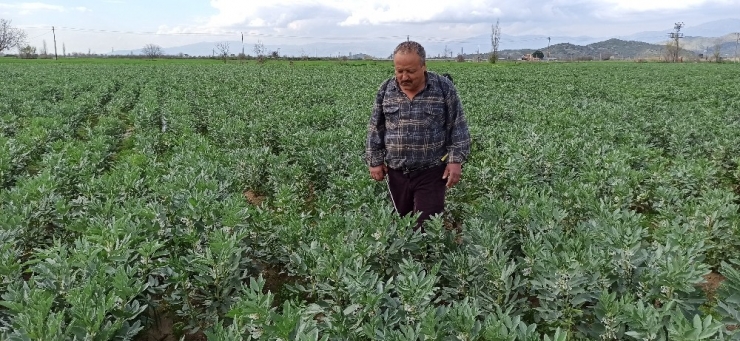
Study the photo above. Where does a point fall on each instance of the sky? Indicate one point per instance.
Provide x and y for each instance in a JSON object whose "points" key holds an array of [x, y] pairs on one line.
{"points": [[100, 26]]}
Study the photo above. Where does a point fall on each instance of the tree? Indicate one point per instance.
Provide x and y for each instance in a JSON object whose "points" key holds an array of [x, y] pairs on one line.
{"points": [[10, 36], [259, 50], [495, 39], [64, 50], [223, 50], [717, 51], [669, 52], [27, 52], [152, 51], [538, 54], [43, 48]]}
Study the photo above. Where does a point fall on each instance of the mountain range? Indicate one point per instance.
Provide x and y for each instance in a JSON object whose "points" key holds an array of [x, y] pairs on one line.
{"points": [[699, 39]]}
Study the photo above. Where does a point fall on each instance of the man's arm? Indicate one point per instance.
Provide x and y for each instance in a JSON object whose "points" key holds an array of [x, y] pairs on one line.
{"points": [[458, 135], [458, 138], [375, 144]]}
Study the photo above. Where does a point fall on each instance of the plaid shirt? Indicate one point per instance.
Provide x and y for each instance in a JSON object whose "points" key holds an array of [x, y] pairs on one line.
{"points": [[417, 134]]}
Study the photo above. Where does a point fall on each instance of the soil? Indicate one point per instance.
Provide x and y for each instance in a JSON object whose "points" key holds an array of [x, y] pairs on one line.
{"points": [[253, 198], [128, 133], [163, 330], [274, 280], [454, 226], [713, 281]]}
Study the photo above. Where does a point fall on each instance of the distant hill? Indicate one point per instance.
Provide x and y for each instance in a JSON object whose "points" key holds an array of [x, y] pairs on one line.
{"points": [[702, 44], [612, 48], [717, 28]]}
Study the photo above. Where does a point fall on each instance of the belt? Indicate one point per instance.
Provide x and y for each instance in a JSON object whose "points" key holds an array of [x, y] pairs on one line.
{"points": [[407, 170]]}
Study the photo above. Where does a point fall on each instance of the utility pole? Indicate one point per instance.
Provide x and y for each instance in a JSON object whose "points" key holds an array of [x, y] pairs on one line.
{"points": [[55, 42], [676, 36], [548, 49], [736, 43]]}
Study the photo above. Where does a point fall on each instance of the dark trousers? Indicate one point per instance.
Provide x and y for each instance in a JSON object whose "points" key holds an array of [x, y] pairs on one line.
{"points": [[420, 191]]}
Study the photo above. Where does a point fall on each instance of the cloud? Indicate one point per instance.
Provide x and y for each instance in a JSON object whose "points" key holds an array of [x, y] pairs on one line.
{"points": [[26, 8], [30, 7], [281, 13], [277, 13], [627, 6], [433, 20]]}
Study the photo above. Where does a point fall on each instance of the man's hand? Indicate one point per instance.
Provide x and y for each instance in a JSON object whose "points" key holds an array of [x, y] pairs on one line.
{"points": [[378, 172], [453, 171]]}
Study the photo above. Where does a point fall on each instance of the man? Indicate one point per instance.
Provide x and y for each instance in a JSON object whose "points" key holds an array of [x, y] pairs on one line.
{"points": [[417, 135]]}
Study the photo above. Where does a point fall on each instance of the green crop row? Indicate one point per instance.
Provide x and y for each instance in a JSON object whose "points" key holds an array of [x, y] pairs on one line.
{"points": [[599, 201]]}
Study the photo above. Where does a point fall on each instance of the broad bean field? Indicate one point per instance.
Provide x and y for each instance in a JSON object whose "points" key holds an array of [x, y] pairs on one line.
{"points": [[600, 202]]}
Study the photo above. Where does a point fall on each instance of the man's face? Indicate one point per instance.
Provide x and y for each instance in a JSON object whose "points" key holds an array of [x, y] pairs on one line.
{"points": [[409, 71]]}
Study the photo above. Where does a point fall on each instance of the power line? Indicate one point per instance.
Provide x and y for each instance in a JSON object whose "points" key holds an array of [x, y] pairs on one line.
{"points": [[40, 35], [237, 33], [275, 35], [426, 39]]}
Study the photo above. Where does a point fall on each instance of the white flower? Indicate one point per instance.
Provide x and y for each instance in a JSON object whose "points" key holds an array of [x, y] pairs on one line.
{"points": [[562, 282], [640, 289], [257, 333]]}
